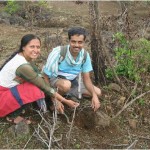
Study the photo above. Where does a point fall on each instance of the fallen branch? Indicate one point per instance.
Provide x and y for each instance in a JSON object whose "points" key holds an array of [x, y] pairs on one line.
{"points": [[54, 122], [132, 92], [117, 145], [69, 133], [30, 138], [128, 104], [141, 137], [133, 144], [67, 118], [31, 135]]}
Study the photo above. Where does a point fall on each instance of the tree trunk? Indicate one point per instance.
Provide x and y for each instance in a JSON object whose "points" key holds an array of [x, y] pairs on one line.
{"points": [[96, 45]]}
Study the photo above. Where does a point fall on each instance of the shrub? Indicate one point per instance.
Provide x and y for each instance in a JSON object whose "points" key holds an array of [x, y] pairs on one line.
{"points": [[132, 58], [11, 7]]}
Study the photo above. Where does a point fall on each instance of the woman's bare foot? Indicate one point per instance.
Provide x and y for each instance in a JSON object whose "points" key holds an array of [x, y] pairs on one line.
{"points": [[18, 120]]}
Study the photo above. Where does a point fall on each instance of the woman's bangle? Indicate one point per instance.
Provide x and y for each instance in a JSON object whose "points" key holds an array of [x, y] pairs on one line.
{"points": [[52, 91], [62, 100]]}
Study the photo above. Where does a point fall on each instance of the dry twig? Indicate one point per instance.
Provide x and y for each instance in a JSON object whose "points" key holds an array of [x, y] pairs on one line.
{"points": [[133, 144], [117, 145], [128, 104], [142, 137], [133, 91], [69, 133], [67, 118], [30, 138]]}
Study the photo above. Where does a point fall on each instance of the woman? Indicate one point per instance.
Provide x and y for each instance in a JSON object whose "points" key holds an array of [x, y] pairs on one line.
{"points": [[20, 81]]}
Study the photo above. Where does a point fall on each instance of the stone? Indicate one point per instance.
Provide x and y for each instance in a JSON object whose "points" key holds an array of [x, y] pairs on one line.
{"points": [[121, 101], [133, 123], [19, 129], [114, 86], [102, 119]]}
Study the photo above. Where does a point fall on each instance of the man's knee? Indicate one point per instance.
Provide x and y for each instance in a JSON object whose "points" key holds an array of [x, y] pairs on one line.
{"points": [[63, 85], [99, 92]]}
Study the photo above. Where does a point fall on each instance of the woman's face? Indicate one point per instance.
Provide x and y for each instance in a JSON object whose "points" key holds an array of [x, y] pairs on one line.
{"points": [[32, 49]]}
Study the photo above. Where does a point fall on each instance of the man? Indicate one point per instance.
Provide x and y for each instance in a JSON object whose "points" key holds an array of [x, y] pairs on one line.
{"points": [[64, 74]]}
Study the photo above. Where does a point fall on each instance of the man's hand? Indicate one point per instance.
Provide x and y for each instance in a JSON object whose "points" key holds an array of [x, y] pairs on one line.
{"points": [[71, 103], [61, 100], [95, 103]]}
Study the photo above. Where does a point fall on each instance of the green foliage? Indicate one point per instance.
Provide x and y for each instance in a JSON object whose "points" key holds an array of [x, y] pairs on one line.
{"points": [[77, 146], [141, 102], [132, 58], [147, 2], [11, 7], [42, 3]]}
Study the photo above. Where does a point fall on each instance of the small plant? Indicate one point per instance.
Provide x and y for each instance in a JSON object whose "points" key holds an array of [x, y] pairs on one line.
{"points": [[42, 3], [11, 7], [132, 58], [141, 101], [147, 2], [77, 146]]}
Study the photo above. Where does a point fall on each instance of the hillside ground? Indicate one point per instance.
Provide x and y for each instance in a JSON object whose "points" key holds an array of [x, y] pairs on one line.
{"points": [[131, 128]]}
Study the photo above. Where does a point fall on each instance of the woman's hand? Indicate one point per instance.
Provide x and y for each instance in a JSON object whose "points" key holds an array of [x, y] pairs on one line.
{"points": [[59, 107]]}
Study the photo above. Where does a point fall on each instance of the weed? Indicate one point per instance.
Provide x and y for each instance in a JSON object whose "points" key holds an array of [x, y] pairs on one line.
{"points": [[42, 3], [141, 101], [11, 7], [77, 146], [132, 58]]}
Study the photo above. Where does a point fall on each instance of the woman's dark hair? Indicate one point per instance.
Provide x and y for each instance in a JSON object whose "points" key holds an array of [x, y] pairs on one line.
{"points": [[24, 41], [77, 31]]}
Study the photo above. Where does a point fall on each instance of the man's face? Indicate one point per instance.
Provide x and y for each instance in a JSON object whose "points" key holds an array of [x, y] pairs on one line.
{"points": [[76, 44]]}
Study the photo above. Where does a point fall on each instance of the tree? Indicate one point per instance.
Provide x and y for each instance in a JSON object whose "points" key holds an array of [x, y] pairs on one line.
{"points": [[96, 44]]}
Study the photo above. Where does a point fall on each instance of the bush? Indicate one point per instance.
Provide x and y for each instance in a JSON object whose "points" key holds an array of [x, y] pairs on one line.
{"points": [[132, 58], [11, 7]]}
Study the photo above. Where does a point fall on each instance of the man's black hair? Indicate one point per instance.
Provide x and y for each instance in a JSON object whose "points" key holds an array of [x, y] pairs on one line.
{"points": [[77, 31]]}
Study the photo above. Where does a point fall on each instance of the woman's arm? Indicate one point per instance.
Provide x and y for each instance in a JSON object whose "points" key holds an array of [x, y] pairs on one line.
{"points": [[30, 75]]}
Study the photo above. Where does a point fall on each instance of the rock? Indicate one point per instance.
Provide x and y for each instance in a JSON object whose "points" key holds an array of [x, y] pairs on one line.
{"points": [[109, 109], [56, 21], [102, 119], [114, 86], [3, 2], [4, 15], [146, 120], [121, 101], [133, 123], [16, 20], [89, 119], [5, 21], [125, 141], [19, 129], [51, 41]]}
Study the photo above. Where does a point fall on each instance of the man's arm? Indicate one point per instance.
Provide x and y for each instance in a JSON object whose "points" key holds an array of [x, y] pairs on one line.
{"points": [[89, 86]]}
